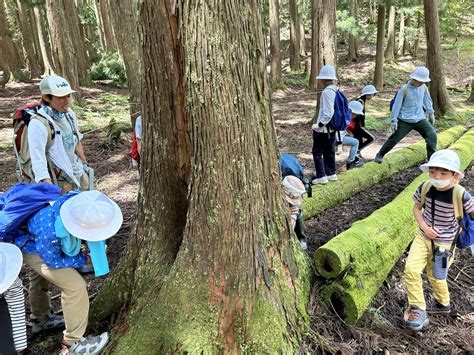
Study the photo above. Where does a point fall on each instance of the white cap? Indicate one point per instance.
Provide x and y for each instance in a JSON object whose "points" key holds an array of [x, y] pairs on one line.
{"points": [[11, 260], [92, 216], [421, 74], [356, 107], [446, 159], [293, 188], [327, 72], [369, 90], [55, 85]]}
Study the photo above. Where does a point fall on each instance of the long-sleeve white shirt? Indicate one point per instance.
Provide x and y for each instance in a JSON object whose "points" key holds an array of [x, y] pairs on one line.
{"points": [[326, 108]]}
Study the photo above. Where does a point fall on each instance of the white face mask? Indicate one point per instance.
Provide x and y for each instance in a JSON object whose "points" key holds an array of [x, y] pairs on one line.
{"points": [[440, 183]]}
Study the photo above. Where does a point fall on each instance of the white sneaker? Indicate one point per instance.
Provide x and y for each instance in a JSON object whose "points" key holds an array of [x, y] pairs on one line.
{"points": [[303, 244], [332, 177], [88, 345], [321, 180]]}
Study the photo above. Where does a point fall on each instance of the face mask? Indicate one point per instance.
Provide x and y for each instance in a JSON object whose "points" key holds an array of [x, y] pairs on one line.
{"points": [[440, 183]]}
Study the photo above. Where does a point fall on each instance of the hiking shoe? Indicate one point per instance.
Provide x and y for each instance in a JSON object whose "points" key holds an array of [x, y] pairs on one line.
{"points": [[303, 244], [332, 177], [87, 345], [354, 164], [378, 158], [49, 321], [438, 308], [416, 319], [85, 269], [321, 180]]}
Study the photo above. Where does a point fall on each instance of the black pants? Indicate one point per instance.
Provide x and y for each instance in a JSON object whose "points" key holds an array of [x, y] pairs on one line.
{"points": [[7, 347], [363, 136], [324, 153]]}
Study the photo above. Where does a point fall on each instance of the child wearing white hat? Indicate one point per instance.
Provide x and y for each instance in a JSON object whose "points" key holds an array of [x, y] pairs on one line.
{"points": [[438, 227], [359, 131], [12, 315], [408, 114], [294, 189], [347, 140]]}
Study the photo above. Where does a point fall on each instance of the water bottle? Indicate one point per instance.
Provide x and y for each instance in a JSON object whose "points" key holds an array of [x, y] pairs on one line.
{"points": [[441, 263]]}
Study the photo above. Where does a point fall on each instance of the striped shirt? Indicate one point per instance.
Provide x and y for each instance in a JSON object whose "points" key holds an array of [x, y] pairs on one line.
{"points": [[16, 306], [444, 219]]}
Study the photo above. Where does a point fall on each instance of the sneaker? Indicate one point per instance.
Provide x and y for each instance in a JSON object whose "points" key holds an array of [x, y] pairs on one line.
{"points": [[354, 164], [303, 244], [321, 180], [332, 177], [438, 308], [416, 319], [85, 269], [378, 158], [87, 345], [49, 321]]}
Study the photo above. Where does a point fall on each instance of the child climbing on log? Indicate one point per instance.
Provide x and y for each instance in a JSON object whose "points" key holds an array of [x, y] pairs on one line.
{"points": [[294, 189], [438, 228]]}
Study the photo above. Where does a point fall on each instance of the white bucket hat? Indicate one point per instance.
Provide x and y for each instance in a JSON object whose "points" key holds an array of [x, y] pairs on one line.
{"points": [[91, 216], [421, 74], [356, 107], [293, 188], [55, 85], [446, 159], [369, 90], [11, 260], [327, 72]]}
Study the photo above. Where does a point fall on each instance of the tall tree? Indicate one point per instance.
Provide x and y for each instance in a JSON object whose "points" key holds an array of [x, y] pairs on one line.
{"points": [[100, 25], [124, 18], [106, 25], [389, 51], [353, 55], [378, 75], [401, 35], [274, 17], [212, 241], [295, 34], [434, 59], [43, 39], [415, 46], [69, 49], [323, 37]]}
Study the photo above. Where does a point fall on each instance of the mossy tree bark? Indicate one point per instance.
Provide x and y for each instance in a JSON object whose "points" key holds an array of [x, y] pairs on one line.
{"points": [[212, 265], [363, 255], [434, 59], [378, 74], [275, 54]]}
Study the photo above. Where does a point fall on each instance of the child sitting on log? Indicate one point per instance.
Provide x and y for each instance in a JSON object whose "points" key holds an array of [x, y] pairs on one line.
{"points": [[294, 189], [438, 229]]}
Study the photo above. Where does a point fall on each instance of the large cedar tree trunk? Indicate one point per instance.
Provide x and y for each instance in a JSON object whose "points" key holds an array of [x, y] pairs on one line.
{"points": [[353, 55], [69, 49], [275, 54], [124, 20], [389, 51], [378, 75], [106, 25], [100, 25], [434, 59], [295, 34], [401, 36], [415, 46], [43, 39], [213, 267]]}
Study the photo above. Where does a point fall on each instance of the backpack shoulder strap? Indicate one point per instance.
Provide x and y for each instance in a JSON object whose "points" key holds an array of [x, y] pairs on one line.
{"points": [[458, 193], [49, 128], [405, 92], [424, 190]]}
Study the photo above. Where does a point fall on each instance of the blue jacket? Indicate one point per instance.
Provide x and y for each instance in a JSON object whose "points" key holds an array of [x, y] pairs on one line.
{"points": [[42, 239], [410, 108]]}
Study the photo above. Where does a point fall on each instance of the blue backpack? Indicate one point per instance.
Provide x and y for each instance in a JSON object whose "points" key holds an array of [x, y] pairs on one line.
{"points": [[392, 101], [20, 203], [289, 165], [342, 115]]}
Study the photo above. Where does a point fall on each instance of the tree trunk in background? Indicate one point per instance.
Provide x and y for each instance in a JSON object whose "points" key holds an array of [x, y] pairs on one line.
{"points": [[5, 77], [434, 59], [69, 50], [353, 55], [124, 20], [401, 35], [295, 40], [235, 282], [28, 35], [86, 28], [43, 39], [100, 25], [471, 97], [416, 44], [372, 11], [275, 54], [314, 43], [107, 26], [11, 61], [378, 75], [389, 55]]}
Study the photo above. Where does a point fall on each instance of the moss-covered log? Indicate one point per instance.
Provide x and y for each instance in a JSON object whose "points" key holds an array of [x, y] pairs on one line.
{"points": [[370, 248], [356, 180]]}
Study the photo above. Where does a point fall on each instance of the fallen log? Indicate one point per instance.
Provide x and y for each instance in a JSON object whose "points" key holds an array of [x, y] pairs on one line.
{"points": [[363, 255], [353, 181]]}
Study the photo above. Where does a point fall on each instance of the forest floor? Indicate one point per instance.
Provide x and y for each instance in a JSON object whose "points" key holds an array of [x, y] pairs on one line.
{"points": [[381, 328]]}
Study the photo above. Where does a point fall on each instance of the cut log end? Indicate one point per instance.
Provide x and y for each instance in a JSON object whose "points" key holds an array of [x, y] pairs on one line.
{"points": [[327, 263]]}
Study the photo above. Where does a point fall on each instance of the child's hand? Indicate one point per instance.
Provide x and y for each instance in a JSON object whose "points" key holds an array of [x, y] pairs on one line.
{"points": [[431, 232]]}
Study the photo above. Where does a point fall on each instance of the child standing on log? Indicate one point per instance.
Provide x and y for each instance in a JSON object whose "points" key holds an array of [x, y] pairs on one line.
{"points": [[437, 230]]}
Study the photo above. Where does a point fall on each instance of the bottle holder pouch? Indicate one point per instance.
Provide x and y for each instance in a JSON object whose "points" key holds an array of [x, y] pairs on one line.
{"points": [[441, 264]]}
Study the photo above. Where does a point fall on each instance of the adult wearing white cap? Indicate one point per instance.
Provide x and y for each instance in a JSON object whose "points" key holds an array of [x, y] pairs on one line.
{"points": [[408, 114], [62, 148], [12, 301], [53, 252], [324, 138]]}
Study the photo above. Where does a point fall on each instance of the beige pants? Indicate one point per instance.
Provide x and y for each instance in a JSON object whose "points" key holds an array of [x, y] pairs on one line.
{"points": [[74, 298], [83, 180]]}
